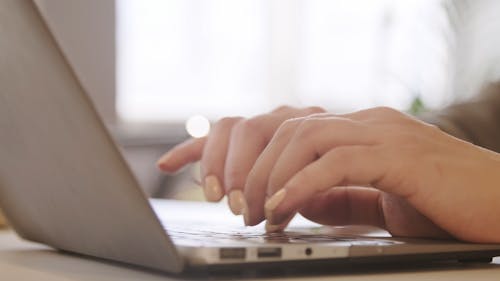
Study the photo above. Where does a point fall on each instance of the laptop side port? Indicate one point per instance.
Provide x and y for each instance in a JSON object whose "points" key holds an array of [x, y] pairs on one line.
{"points": [[232, 253], [269, 252]]}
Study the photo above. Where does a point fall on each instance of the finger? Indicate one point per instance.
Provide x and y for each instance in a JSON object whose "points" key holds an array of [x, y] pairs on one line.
{"points": [[256, 181], [284, 109], [313, 138], [345, 206], [294, 111], [279, 227], [181, 155], [256, 184], [348, 165], [248, 140], [368, 206], [214, 158]]}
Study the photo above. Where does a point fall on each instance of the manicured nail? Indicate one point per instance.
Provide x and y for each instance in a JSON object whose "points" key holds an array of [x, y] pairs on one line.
{"points": [[237, 202], [273, 227], [274, 201], [164, 159], [244, 212], [212, 189]]}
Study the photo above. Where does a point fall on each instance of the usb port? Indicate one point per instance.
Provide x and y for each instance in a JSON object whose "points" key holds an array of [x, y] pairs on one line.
{"points": [[269, 252], [232, 253]]}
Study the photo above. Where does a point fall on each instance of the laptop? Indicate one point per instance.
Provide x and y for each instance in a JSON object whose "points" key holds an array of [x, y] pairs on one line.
{"points": [[64, 183]]}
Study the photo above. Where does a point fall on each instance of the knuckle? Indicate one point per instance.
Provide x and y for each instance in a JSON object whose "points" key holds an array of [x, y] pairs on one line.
{"points": [[307, 128], [253, 124], [227, 122], [282, 108], [250, 126], [314, 110], [285, 131], [318, 115], [288, 126], [385, 111]]}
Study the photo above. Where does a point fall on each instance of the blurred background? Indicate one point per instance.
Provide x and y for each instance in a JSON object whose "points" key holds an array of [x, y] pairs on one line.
{"points": [[159, 70]]}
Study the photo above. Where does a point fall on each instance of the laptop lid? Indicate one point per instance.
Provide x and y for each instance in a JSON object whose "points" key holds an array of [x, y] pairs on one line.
{"points": [[62, 180]]}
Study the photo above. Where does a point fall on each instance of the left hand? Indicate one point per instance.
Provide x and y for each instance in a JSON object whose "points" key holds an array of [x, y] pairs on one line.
{"points": [[418, 181]]}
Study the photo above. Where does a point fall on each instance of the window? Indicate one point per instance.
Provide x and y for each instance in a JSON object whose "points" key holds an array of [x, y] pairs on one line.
{"points": [[179, 58]]}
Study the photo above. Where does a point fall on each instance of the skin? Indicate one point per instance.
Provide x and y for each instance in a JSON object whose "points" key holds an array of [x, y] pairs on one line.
{"points": [[377, 167], [232, 147]]}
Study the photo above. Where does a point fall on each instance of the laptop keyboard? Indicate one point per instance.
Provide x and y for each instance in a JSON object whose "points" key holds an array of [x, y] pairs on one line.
{"points": [[206, 233]]}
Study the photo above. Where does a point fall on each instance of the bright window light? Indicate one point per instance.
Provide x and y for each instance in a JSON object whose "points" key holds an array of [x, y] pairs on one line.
{"points": [[181, 58]]}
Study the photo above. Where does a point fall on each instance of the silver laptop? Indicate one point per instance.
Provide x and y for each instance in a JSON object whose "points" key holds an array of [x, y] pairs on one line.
{"points": [[64, 183]]}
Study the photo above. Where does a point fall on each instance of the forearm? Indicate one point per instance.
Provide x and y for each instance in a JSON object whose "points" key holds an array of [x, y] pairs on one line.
{"points": [[476, 121]]}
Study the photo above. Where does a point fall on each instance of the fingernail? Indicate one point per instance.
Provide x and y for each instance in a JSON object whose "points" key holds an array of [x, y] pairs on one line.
{"points": [[237, 202], [246, 219], [273, 227], [163, 159], [274, 201], [267, 214], [212, 189]]}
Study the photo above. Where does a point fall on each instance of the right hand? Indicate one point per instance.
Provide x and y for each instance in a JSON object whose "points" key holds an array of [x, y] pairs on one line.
{"points": [[229, 152]]}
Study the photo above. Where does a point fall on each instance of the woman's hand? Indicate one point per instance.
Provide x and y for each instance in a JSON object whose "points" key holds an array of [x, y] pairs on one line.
{"points": [[418, 181], [229, 152], [415, 180]]}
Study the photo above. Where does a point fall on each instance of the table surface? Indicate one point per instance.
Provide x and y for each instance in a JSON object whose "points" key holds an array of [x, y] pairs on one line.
{"points": [[22, 260]]}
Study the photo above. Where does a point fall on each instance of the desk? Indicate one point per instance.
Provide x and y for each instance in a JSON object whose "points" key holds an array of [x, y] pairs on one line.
{"points": [[21, 260]]}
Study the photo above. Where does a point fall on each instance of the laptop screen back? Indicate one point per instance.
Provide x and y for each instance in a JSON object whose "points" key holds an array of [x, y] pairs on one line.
{"points": [[62, 180]]}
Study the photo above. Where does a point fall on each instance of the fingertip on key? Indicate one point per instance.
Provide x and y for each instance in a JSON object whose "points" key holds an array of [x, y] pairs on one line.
{"points": [[212, 189], [237, 202]]}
